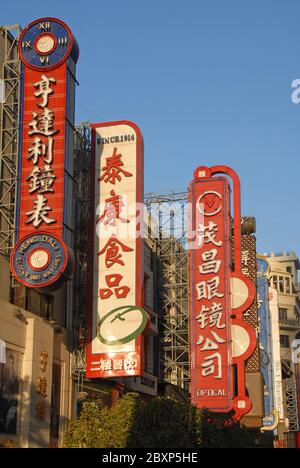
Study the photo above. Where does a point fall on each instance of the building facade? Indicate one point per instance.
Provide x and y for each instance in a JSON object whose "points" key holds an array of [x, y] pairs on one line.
{"points": [[284, 269]]}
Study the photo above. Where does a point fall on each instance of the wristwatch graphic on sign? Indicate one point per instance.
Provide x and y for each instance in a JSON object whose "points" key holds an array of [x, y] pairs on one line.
{"points": [[122, 325]]}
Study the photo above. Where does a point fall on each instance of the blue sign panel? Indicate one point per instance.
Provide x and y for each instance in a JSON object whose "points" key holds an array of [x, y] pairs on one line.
{"points": [[265, 340]]}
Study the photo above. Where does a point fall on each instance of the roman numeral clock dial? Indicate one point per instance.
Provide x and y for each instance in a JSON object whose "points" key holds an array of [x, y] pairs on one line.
{"points": [[45, 44]]}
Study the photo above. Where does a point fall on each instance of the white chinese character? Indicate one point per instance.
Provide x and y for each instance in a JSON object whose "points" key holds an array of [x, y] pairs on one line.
{"points": [[42, 124], [245, 257], [106, 365], [44, 89], [209, 367], [130, 364], [208, 234], [40, 149], [47, 179], [259, 301], [203, 317], [216, 313], [208, 289], [210, 265], [209, 343], [34, 179], [118, 364], [40, 212], [41, 181], [36, 150], [211, 316]]}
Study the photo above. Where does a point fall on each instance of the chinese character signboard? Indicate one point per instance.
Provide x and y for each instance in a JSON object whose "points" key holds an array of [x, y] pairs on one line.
{"points": [[117, 319], [275, 353], [42, 258], [220, 294], [265, 343], [297, 375], [249, 269], [211, 371]]}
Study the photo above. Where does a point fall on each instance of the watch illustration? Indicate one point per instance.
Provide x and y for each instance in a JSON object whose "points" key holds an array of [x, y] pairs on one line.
{"points": [[209, 203], [122, 325]]}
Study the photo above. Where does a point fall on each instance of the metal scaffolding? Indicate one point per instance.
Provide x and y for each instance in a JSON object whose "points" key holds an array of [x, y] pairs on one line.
{"points": [[168, 214], [9, 137], [290, 389], [82, 194]]}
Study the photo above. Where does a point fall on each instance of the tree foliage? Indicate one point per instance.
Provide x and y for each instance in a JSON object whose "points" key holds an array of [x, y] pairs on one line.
{"points": [[85, 432], [161, 422], [221, 431], [164, 423]]}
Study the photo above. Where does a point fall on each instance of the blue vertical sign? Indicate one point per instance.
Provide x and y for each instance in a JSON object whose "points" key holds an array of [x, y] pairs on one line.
{"points": [[265, 339]]}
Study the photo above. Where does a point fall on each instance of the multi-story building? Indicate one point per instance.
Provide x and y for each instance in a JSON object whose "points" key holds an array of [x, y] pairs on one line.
{"points": [[284, 268]]}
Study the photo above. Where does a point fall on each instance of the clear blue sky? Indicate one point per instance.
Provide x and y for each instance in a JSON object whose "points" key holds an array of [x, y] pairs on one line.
{"points": [[208, 82]]}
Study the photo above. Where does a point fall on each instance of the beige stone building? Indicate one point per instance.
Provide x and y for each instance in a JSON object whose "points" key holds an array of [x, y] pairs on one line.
{"points": [[284, 278]]}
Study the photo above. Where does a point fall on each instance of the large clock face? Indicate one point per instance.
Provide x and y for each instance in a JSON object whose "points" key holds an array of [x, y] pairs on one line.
{"points": [[45, 44]]}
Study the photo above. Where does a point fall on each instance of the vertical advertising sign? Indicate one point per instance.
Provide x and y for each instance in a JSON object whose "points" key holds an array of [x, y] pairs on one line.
{"points": [[265, 339], [220, 294], [211, 369], [297, 376], [41, 257], [117, 320], [276, 349], [249, 269]]}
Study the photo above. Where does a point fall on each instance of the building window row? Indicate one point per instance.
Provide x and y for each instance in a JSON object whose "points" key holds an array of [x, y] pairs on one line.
{"points": [[282, 284], [285, 341]]}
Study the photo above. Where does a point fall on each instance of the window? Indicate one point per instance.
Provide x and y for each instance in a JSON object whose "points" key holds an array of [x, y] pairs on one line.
{"points": [[275, 282], [55, 401], [39, 304], [283, 314], [289, 269], [281, 284], [288, 285], [148, 360], [148, 287], [2, 92], [2, 352], [285, 341], [10, 373]]}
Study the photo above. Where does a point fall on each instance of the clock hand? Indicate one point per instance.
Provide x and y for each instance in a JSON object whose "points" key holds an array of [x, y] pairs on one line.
{"points": [[119, 316]]}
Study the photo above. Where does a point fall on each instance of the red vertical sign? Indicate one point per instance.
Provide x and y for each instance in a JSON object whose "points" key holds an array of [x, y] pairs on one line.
{"points": [[41, 257], [220, 294], [43, 151], [211, 369]]}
